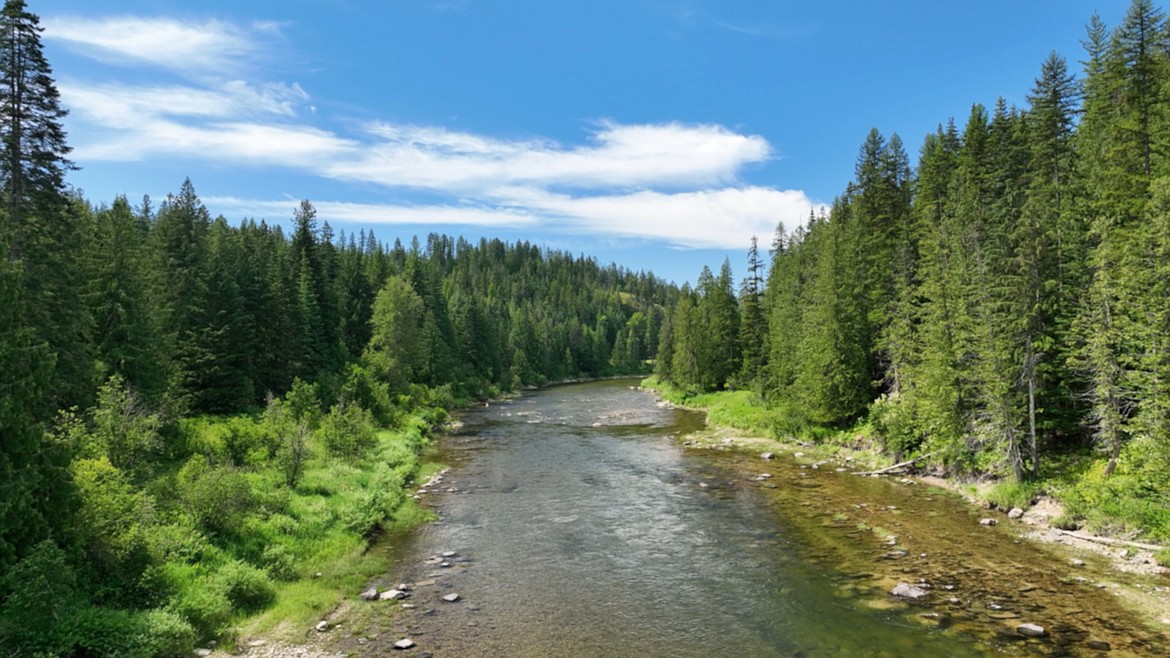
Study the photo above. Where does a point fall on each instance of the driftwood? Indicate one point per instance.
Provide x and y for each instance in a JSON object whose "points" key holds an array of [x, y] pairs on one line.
{"points": [[1110, 542], [895, 467]]}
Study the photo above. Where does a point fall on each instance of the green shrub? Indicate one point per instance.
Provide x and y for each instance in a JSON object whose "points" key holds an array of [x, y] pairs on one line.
{"points": [[42, 602], [280, 562], [164, 634], [1162, 557], [893, 421], [206, 608], [247, 587], [348, 430], [216, 497], [1010, 493]]}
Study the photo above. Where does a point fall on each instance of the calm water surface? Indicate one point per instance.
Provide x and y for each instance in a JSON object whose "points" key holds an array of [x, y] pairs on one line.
{"points": [[582, 529]]}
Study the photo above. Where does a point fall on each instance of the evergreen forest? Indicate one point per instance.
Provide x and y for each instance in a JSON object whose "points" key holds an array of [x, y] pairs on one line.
{"points": [[1000, 309], [198, 415], [203, 419]]}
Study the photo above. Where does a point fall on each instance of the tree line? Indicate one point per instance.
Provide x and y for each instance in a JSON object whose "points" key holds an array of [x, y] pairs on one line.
{"points": [[1003, 302]]}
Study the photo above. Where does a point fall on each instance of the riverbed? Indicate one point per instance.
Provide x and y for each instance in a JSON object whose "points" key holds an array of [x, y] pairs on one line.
{"points": [[573, 523]]}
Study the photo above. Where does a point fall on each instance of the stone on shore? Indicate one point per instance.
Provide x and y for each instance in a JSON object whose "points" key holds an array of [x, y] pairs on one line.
{"points": [[1015, 513], [392, 594], [370, 594], [451, 598], [404, 644], [322, 626]]}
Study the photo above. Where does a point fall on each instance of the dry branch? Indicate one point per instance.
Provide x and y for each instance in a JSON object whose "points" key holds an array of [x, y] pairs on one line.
{"points": [[1110, 542], [895, 466]]}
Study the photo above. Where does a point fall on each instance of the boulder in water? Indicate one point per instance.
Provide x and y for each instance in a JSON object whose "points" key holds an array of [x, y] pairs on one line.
{"points": [[909, 592], [1031, 630]]}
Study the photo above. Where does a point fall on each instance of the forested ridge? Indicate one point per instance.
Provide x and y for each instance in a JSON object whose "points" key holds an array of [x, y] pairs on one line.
{"points": [[1000, 309], [202, 419]]}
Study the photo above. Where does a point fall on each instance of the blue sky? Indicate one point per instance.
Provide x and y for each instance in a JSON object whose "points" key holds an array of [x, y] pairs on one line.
{"points": [[657, 134]]}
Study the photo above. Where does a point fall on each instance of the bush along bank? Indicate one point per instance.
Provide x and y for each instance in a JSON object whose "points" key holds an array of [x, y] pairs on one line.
{"points": [[196, 526]]}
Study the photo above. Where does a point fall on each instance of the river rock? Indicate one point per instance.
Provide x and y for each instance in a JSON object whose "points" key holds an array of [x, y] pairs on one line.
{"points": [[909, 592], [450, 554], [322, 626], [1031, 630], [404, 644], [766, 455], [1015, 513], [202, 653], [392, 594], [988, 522], [1077, 562], [370, 594], [451, 598]]}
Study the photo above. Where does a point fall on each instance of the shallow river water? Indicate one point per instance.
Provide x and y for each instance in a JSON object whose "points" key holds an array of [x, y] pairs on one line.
{"points": [[581, 528]]}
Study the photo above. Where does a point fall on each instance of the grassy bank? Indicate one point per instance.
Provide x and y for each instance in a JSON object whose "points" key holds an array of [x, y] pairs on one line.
{"points": [[200, 529], [1126, 504]]}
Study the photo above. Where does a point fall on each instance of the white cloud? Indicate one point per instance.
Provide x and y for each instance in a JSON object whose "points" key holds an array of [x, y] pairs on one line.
{"points": [[370, 213], [717, 219], [210, 46], [672, 182], [622, 156]]}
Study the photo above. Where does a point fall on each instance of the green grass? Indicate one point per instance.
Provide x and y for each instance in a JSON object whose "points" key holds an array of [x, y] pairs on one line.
{"points": [[740, 410]]}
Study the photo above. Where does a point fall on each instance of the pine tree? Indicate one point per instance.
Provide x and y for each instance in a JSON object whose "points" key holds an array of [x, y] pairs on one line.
{"points": [[126, 340], [34, 162], [753, 325], [40, 225]]}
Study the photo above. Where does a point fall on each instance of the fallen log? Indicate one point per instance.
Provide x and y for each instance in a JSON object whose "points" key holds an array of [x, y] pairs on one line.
{"points": [[1110, 542], [895, 467]]}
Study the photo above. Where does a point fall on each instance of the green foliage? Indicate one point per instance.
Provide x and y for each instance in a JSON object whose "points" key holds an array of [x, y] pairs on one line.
{"points": [[42, 599], [895, 425], [216, 497], [207, 609], [1013, 493], [1162, 557], [347, 431], [247, 587]]}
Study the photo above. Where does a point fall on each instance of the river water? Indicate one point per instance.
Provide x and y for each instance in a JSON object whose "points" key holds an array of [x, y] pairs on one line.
{"points": [[580, 527]]}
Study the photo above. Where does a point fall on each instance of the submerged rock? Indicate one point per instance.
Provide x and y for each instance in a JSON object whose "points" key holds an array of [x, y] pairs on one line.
{"points": [[909, 592], [1031, 630], [988, 521], [766, 455]]}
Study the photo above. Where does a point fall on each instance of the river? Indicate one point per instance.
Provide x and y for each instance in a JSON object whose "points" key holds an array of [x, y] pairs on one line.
{"points": [[579, 527]]}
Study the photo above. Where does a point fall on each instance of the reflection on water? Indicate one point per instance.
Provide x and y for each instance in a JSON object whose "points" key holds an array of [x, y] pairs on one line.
{"points": [[581, 529]]}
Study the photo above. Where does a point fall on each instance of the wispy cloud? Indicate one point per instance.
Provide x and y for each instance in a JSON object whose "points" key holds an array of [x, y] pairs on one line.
{"points": [[209, 46], [673, 182], [719, 219], [371, 213]]}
